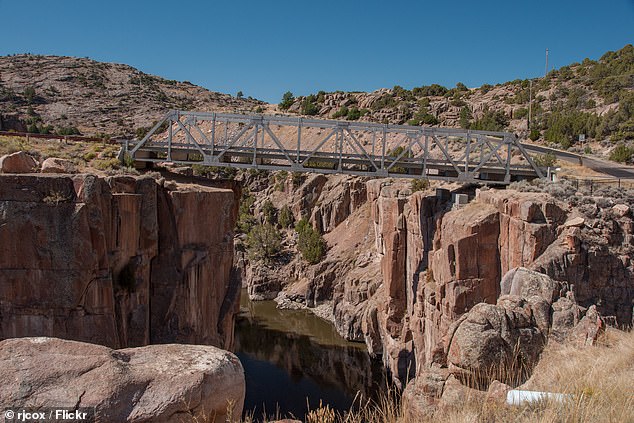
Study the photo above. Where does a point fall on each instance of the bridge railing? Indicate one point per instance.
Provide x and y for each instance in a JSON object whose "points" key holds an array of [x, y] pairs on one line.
{"points": [[331, 146]]}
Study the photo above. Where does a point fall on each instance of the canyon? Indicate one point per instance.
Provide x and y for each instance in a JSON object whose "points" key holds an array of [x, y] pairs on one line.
{"points": [[455, 295]]}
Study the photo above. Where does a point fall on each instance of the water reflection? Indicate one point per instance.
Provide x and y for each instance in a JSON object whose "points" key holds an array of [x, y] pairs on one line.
{"points": [[293, 359]]}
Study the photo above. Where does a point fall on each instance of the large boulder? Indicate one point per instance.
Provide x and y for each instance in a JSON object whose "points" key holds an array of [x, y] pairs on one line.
{"points": [[57, 165], [526, 283], [19, 162], [157, 383], [501, 341]]}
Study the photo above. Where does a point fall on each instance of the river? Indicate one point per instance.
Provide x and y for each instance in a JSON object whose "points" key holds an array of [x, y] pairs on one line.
{"points": [[293, 360]]}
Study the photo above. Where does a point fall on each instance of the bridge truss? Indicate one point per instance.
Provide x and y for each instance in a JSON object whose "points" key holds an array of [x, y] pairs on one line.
{"points": [[331, 146]]}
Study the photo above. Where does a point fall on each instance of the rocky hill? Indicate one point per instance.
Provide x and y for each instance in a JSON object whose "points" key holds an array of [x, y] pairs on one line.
{"points": [[77, 95], [595, 98], [69, 95]]}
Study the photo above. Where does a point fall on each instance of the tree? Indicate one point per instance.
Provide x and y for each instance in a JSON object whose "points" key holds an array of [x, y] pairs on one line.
{"points": [[240, 94], [309, 107], [286, 218], [263, 243], [287, 100], [310, 243], [622, 154], [354, 114], [270, 212], [465, 117]]}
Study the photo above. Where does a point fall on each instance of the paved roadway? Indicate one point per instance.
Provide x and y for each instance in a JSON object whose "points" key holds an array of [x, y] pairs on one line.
{"points": [[613, 169]]}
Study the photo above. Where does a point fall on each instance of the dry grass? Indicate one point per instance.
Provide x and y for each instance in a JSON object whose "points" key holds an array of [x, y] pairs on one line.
{"points": [[599, 379], [84, 155]]}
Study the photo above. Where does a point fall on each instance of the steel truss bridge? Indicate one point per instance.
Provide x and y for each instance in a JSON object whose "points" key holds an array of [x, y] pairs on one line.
{"points": [[329, 146]]}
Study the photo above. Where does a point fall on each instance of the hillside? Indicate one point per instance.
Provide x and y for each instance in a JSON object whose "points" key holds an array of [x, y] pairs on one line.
{"points": [[68, 95], [595, 98]]}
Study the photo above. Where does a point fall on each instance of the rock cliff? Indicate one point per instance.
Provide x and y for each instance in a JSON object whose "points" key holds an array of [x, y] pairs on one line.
{"points": [[118, 261]]}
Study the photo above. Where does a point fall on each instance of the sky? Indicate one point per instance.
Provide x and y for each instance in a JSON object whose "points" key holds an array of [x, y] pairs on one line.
{"points": [[265, 48]]}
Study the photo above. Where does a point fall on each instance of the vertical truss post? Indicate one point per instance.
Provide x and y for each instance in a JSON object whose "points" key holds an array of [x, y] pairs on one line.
{"points": [[340, 136], [481, 150], [507, 178], [255, 143], [383, 147], [299, 138], [169, 140], [213, 133], [373, 142], [426, 154], [466, 161]]}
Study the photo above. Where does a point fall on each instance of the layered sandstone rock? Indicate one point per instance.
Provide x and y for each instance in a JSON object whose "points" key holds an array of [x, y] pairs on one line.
{"points": [[166, 383], [119, 261]]}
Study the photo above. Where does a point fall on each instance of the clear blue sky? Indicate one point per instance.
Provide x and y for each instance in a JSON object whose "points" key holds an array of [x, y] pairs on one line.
{"points": [[265, 48]]}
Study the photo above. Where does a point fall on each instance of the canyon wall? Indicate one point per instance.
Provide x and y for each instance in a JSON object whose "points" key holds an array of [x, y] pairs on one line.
{"points": [[439, 261], [119, 261]]}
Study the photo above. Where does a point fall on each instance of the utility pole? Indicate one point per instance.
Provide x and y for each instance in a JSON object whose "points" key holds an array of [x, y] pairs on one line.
{"points": [[530, 104], [546, 63]]}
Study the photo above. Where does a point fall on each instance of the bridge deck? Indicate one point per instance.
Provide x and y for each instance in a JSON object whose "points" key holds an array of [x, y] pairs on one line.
{"points": [[326, 146]]}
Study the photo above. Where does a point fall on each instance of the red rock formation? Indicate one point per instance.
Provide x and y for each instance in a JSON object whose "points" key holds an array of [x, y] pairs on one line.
{"points": [[120, 261]]}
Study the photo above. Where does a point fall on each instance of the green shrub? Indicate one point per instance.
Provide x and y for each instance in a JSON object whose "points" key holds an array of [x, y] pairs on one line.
{"points": [[29, 94], [465, 117], [534, 135], [491, 121], [545, 160], [68, 130], [429, 90], [520, 113], [263, 243], [286, 218], [622, 154], [89, 156], [245, 215], [419, 185], [310, 243], [342, 112], [270, 212], [108, 164], [309, 107], [287, 100], [353, 114]]}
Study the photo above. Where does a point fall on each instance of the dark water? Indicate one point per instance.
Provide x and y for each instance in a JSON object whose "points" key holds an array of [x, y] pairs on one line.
{"points": [[293, 359]]}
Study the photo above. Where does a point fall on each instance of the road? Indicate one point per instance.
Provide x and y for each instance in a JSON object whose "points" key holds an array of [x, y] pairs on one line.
{"points": [[613, 169]]}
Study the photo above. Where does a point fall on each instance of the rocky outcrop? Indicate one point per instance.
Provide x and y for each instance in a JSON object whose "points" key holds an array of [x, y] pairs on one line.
{"points": [[166, 383], [19, 162], [496, 342], [120, 261]]}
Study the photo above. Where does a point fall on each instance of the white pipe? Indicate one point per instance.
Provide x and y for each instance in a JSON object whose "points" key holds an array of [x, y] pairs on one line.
{"points": [[517, 397]]}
